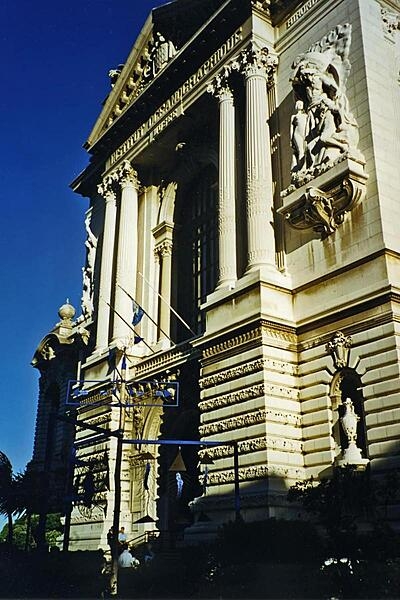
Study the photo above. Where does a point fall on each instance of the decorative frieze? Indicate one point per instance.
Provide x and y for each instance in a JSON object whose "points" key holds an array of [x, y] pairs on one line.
{"points": [[255, 472], [248, 393], [255, 445], [250, 419], [232, 343], [221, 502], [260, 364]]}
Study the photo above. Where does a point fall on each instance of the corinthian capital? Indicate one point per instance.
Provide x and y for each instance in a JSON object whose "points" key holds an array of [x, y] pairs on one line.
{"points": [[219, 86], [107, 187], [126, 175], [254, 61]]}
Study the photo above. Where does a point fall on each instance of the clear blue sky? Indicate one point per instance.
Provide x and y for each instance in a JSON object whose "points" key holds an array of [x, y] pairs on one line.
{"points": [[55, 56]]}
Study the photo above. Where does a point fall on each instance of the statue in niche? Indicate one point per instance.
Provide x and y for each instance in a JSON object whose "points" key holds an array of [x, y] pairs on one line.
{"points": [[325, 121]]}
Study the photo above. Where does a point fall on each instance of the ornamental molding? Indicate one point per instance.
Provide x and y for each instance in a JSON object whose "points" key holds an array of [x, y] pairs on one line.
{"points": [[246, 369], [255, 445], [234, 342], [250, 419], [255, 472], [323, 206], [165, 360], [219, 502], [255, 391], [249, 393]]}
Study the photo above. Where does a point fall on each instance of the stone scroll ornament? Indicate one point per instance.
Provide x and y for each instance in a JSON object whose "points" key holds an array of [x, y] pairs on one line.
{"points": [[323, 129]]}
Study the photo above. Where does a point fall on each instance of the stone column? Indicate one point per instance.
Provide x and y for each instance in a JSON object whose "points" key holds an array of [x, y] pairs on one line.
{"points": [[126, 264], [257, 67], [107, 190], [227, 273]]}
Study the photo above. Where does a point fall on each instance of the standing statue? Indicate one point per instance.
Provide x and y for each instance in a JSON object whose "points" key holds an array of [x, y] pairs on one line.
{"points": [[88, 271], [329, 128], [91, 245], [298, 124]]}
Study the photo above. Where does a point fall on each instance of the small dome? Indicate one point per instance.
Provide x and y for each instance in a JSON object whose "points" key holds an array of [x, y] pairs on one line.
{"points": [[66, 311]]}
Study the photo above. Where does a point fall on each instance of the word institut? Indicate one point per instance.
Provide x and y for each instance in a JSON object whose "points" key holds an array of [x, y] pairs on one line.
{"points": [[241, 279]]}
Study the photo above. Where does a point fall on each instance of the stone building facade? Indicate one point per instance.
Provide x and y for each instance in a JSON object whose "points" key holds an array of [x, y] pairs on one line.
{"points": [[242, 191]]}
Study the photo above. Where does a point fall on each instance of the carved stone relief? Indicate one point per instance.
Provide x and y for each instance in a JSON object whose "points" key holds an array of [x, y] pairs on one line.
{"points": [[153, 59], [323, 134]]}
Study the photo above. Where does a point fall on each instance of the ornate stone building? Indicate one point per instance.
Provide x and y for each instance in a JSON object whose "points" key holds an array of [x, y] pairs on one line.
{"points": [[242, 189]]}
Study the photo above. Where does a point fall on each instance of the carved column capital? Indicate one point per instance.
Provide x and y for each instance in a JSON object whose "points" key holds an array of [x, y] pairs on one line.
{"points": [[106, 189], [163, 249], [219, 86], [127, 176], [258, 62]]}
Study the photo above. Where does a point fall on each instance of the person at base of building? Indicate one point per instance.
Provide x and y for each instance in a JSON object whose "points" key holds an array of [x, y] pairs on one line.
{"points": [[121, 539], [126, 559]]}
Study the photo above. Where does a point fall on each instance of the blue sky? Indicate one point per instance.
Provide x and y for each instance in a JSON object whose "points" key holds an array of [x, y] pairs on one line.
{"points": [[55, 56]]}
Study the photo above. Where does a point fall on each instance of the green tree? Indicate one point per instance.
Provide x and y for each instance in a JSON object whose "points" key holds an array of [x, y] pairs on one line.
{"points": [[8, 498], [21, 528]]}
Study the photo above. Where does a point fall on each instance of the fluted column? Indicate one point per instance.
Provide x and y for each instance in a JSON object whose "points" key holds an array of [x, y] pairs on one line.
{"points": [[107, 190], [257, 67], [126, 264], [227, 272]]}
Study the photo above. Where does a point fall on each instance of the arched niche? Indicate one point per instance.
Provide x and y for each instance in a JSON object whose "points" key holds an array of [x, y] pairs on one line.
{"points": [[346, 383]]}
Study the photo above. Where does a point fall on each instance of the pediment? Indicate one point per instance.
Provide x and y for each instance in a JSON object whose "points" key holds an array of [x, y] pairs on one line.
{"points": [[165, 32]]}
